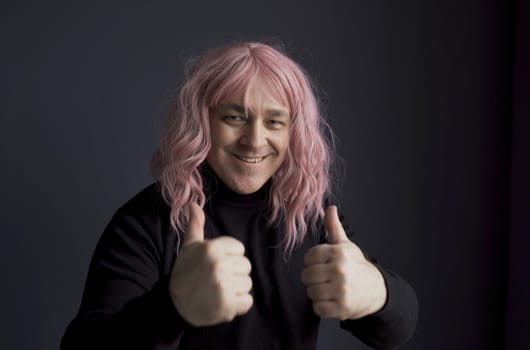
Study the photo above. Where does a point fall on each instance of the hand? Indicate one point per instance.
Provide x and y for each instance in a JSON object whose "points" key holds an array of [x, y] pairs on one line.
{"points": [[340, 281], [210, 281]]}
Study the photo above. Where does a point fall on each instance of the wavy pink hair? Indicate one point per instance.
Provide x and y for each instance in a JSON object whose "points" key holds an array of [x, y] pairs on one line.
{"points": [[298, 187]]}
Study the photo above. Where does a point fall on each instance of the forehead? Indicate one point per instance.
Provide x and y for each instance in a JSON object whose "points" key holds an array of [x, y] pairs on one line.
{"points": [[256, 96]]}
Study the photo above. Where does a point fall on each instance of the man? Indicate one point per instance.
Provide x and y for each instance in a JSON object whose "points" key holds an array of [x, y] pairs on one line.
{"points": [[235, 245]]}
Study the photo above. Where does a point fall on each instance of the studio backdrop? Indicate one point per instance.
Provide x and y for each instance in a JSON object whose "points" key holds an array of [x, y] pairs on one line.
{"points": [[429, 101]]}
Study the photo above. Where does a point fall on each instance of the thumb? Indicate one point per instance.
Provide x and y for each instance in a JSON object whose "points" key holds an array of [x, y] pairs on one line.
{"points": [[336, 233], [195, 231]]}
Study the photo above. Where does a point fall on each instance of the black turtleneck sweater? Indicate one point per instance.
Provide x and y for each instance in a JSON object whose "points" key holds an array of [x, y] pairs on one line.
{"points": [[126, 303]]}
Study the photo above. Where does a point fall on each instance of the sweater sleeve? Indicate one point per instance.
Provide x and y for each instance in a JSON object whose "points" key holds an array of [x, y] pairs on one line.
{"points": [[126, 302], [395, 323]]}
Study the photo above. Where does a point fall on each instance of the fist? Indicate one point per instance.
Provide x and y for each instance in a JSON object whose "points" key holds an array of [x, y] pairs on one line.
{"points": [[210, 282], [340, 281]]}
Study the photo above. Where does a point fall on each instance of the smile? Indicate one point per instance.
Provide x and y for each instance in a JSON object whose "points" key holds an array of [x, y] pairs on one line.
{"points": [[253, 160]]}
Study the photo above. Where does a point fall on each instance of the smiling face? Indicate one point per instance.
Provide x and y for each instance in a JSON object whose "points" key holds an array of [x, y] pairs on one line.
{"points": [[249, 143]]}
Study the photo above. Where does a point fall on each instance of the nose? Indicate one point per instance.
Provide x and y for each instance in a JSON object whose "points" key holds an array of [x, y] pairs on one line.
{"points": [[254, 135]]}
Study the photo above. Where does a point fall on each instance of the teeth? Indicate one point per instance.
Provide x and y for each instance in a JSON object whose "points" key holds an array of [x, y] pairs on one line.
{"points": [[250, 159]]}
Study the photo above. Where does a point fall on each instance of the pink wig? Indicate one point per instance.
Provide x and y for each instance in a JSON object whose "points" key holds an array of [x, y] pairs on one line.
{"points": [[302, 181]]}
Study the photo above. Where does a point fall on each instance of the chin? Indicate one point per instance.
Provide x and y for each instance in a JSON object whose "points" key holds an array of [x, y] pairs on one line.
{"points": [[245, 187]]}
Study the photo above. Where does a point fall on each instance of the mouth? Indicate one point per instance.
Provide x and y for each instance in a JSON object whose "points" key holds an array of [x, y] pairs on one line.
{"points": [[252, 160]]}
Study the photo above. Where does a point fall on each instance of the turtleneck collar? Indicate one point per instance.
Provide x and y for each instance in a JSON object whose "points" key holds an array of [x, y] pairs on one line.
{"points": [[216, 190]]}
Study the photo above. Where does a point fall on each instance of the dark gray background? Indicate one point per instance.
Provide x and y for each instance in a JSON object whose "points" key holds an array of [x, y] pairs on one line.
{"points": [[429, 100]]}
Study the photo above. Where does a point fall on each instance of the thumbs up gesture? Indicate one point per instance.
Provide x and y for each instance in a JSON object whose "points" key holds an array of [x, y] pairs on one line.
{"points": [[210, 281], [340, 281]]}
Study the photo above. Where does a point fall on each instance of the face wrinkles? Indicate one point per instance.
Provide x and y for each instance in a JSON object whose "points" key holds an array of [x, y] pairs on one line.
{"points": [[248, 144]]}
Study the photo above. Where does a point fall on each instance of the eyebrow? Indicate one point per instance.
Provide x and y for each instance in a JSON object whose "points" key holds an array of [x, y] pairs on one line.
{"points": [[274, 112]]}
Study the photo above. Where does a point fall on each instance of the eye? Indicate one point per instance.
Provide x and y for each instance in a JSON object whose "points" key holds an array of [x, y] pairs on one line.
{"points": [[234, 119], [276, 124]]}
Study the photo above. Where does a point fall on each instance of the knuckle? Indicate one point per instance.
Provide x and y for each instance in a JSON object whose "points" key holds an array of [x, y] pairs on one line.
{"points": [[239, 246], [246, 264], [232, 242], [319, 309], [342, 291], [338, 272], [217, 286], [245, 284], [213, 267], [249, 283], [217, 282], [207, 248], [339, 252], [247, 303], [250, 301]]}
